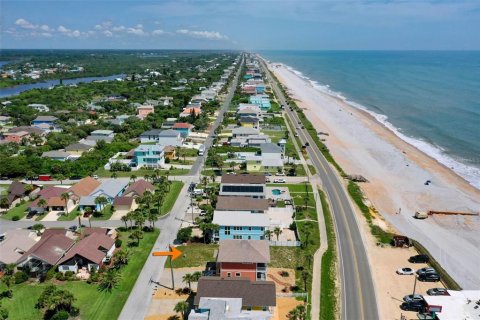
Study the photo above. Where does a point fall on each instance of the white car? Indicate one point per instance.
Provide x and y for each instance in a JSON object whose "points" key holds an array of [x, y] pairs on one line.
{"points": [[405, 271], [280, 174], [279, 180]]}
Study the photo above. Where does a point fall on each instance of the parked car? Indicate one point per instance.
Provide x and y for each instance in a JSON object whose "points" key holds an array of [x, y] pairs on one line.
{"points": [[202, 213], [296, 134], [413, 297], [419, 258], [426, 270], [433, 277], [73, 228], [437, 292], [268, 174], [413, 306], [267, 180], [95, 176], [405, 271], [280, 174], [279, 180]]}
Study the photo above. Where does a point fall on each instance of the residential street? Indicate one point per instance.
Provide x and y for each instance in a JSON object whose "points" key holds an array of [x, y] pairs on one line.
{"points": [[357, 292], [140, 297]]}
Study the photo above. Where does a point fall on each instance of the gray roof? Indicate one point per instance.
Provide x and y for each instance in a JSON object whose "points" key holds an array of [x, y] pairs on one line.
{"points": [[169, 133], [87, 201], [258, 293], [245, 130], [153, 132], [243, 179], [16, 242], [45, 118], [244, 251], [272, 162], [240, 218], [111, 187], [270, 148], [78, 147], [241, 204], [55, 154]]}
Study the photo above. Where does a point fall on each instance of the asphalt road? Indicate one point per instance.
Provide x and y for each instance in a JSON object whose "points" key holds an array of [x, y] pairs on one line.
{"points": [[357, 289], [140, 297]]}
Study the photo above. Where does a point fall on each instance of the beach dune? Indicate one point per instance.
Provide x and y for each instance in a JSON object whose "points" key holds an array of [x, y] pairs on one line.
{"points": [[397, 172]]}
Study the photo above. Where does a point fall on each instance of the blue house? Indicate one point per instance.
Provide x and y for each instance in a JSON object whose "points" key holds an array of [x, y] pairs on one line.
{"points": [[260, 88], [240, 225], [184, 128], [149, 155], [110, 189], [44, 121], [262, 101]]}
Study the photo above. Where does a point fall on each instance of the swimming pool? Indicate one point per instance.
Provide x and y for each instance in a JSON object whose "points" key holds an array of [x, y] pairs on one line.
{"points": [[276, 192]]}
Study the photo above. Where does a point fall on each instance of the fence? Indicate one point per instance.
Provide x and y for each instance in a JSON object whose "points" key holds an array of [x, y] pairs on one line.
{"points": [[288, 243]]}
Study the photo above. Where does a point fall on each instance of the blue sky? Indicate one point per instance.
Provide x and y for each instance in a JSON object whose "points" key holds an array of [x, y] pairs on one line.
{"points": [[246, 24]]}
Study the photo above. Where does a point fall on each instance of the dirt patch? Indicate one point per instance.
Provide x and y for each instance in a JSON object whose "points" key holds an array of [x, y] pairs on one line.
{"points": [[280, 281], [284, 305]]}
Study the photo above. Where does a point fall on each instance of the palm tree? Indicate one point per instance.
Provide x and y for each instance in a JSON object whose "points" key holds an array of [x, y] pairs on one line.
{"points": [[65, 197], [130, 218], [139, 219], [305, 277], [101, 201], [213, 177], [277, 231], [79, 215], [114, 175], [268, 234], [109, 280], [187, 278], [137, 235], [133, 177], [125, 219], [196, 276], [42, 203], [4, 203], [181, 308], [121, 257]]}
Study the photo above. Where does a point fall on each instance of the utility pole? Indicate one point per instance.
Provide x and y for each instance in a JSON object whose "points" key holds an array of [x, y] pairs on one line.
{"points": [[171, 272], [414, 286]]}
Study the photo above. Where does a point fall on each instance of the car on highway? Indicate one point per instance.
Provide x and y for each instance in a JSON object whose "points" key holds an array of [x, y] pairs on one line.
{"points": [[426, 270], [299, 122], [413, 297], [405, 271], [417, 306], [279, 180], [296, 134], [437, 292], [303, 127], [429, 277], [419, 258], [307, 144]]}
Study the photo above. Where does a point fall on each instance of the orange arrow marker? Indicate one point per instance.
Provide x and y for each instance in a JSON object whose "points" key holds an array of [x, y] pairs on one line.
{"points": [[174, 253]]}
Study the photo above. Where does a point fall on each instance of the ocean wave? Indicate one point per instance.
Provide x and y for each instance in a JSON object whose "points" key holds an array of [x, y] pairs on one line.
{"points": [[468, 172]]}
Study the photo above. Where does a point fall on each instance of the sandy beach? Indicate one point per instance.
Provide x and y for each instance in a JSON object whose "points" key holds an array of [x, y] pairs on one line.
{"points": [[397, 172]]}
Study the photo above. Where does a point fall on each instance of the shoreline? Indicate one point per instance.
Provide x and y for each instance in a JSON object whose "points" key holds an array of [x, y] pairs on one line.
{"points": [[397, 171]]}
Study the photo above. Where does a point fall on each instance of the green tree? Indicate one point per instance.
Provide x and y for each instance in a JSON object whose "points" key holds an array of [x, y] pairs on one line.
{"points": [[137, 235], [299, 313], [268, 234], [3, 313], [53, 300], [65, 197], [277, 231], [121, 257], [42, 203], [133, 177], [187, 278], [125, 219], [4, 204], [109, 280], [182, 308]]}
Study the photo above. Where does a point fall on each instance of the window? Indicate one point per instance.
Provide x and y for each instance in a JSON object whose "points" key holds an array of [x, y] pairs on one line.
{"points": [[237, 228], [237, 274], [229, 274], [237, 237], [249, 228], [262, 229], [227, 230], [249, 237]]}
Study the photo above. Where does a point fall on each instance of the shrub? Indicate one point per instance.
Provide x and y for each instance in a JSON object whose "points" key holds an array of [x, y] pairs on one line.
{"points": [[68, 275], [118, 243], [15, 218], [184, 234], [20, 277], [284, 273], [60, 315], [50, 274], [60, 276]]}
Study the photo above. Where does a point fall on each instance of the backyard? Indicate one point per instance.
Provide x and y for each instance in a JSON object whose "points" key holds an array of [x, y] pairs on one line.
{"points": [[19, 211]]}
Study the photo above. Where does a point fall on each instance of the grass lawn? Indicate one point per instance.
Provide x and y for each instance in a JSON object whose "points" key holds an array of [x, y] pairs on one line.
{"points": [[107, 214], [20, 211], [93, 304], [172, 196], [70, 216], [286, 257], [194, 255], [312, 169], [101, 172], [188, 152]]}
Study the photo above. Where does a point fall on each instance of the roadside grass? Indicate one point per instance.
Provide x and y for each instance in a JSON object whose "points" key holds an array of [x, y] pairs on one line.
{"points": [[357, 196], [286, 257], [328, 290], [194, 255], [312, 169], [300, 187], [70, 216], [105, 214], [93, 303], [171, 197], [20, 211]]}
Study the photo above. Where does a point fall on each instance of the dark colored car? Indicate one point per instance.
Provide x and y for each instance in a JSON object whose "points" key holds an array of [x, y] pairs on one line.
{"points": [[420, 258], [429, 277], [417, 306], [426, 270], [437, 292]]}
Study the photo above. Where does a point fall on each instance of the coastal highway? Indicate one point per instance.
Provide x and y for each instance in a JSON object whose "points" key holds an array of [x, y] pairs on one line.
{"points": [[138, 302], [357, 289]]}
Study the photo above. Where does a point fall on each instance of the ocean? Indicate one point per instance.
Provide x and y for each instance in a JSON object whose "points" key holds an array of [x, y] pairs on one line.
{"points": [[431, 99]]}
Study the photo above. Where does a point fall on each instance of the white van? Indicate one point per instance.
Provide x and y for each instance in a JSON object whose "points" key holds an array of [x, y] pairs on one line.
{"points": [[201, 150], [421, 215]]}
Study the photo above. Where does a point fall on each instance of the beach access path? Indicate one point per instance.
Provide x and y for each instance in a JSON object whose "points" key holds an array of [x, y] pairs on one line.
{"points": [[397, 172], [357, 292]]}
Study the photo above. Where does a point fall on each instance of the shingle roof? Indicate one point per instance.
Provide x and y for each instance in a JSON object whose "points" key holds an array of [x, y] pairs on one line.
{"points": [[84, 187], [111, 187], [169, 133], [270, 148], [243, 179], [139, 187], [78, 147], [153, 132], [50, 248], [241, 203], [15, 242], [182, 125], [244, 251], [45, 118], [123, 201], [55, 154], [88, 248], [259, 293]]}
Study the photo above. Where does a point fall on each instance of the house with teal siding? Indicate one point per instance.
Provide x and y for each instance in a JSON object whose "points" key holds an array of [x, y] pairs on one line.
{"points": [[240, 225], [261, 100], [149, 155]]}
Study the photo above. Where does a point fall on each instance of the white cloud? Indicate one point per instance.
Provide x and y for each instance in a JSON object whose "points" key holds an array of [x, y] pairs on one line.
{"points": [[210, 35], [159, 32], [118, 29], [137, 30], [108, 33], [25, 24], [62, 29]]}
